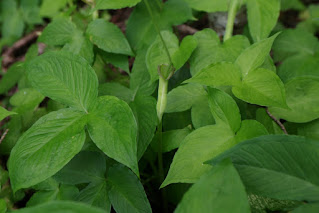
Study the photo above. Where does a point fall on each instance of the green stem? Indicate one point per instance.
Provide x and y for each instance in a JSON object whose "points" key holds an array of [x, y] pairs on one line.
{"points": [[234, 4], [158, 30], [160, 4]]}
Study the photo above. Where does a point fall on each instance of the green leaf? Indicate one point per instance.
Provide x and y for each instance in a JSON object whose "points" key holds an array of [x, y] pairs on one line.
{"points": [[117, 60], [31, 11], [201, 114], [85, 167], [219, 190], [110, 4], [224, 109], [262, 87], [292, 4], [209, 6], [59, 32], [117, 90], [46, 147], [271, 126], [96, 194], [275, 166], [309, 208], [25, 100], [198, 147], [116, 42], [12, 76], [302, 96], [140, 29], [5, 113], [126, 194], [262, 17], [210, 51], [3, 206], [61, 207], [144, 109], [184, 97], [293, 41], [250, 129], [113, 129], [255, 55], [219, 74], [309, 130], [51, 8], [64, 77]]}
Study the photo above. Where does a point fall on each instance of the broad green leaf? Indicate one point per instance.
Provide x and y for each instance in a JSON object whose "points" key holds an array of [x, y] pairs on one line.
{"points": [[16, 129], [262, 87], [85, 167], [198, 147], [126, 193], [31, 11], [5, 113], [59, 32], [201, 114], [180, 57], [219, 74], [255, 55], [99, 29], [262, 17], [64, 77], [307, 208], [117, 90], [293, 41], [46, 147], [299, 66], [61, 207], [14, 73], [113, 129], [184, 97], [111, 4], [292, 4], [210, 51], [250, 129], [25, 100], [140, 77], [171, 139], [275, 166], [302, 96], [51, 8], [3, 206], [219, 190], [224, 109], [271, 126], [140, 29], [144, 109], [96, 194], [177, 120], [209, 6], [309, 130], [117, 60]]}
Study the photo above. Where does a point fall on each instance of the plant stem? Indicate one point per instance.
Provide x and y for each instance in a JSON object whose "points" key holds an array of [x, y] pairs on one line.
{"points": [[161, 97], [231, 18], [158, 30], [277, 121], [160, 4]]}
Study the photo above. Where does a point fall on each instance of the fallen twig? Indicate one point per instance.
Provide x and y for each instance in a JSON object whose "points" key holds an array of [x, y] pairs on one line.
{"points": [[277, 121], [4, 135], [185, 29]]}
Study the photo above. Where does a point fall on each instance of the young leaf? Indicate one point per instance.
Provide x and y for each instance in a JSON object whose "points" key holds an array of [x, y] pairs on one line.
{"points": [[116, 42], [85, 167], [255, 55], [275, 166], [111, 4], [262, 87], [262, 17], [96, 194], [184, 97], [199, 146], [46, 147], [294, 41], [250, 129], [210, 51], [126, 194], [201, 114], [219, 74], [144, 109], [209, 6], [224, 109], [25, 100], [219, 190], [64, 77], [113, 129], [5, 113], [117, 60], [117, 90], [51, 8], [302, 96], [61, 207]]}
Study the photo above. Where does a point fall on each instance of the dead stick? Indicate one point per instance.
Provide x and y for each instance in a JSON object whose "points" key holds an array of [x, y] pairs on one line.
{"points": [[277, 121], [4, 135]]}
